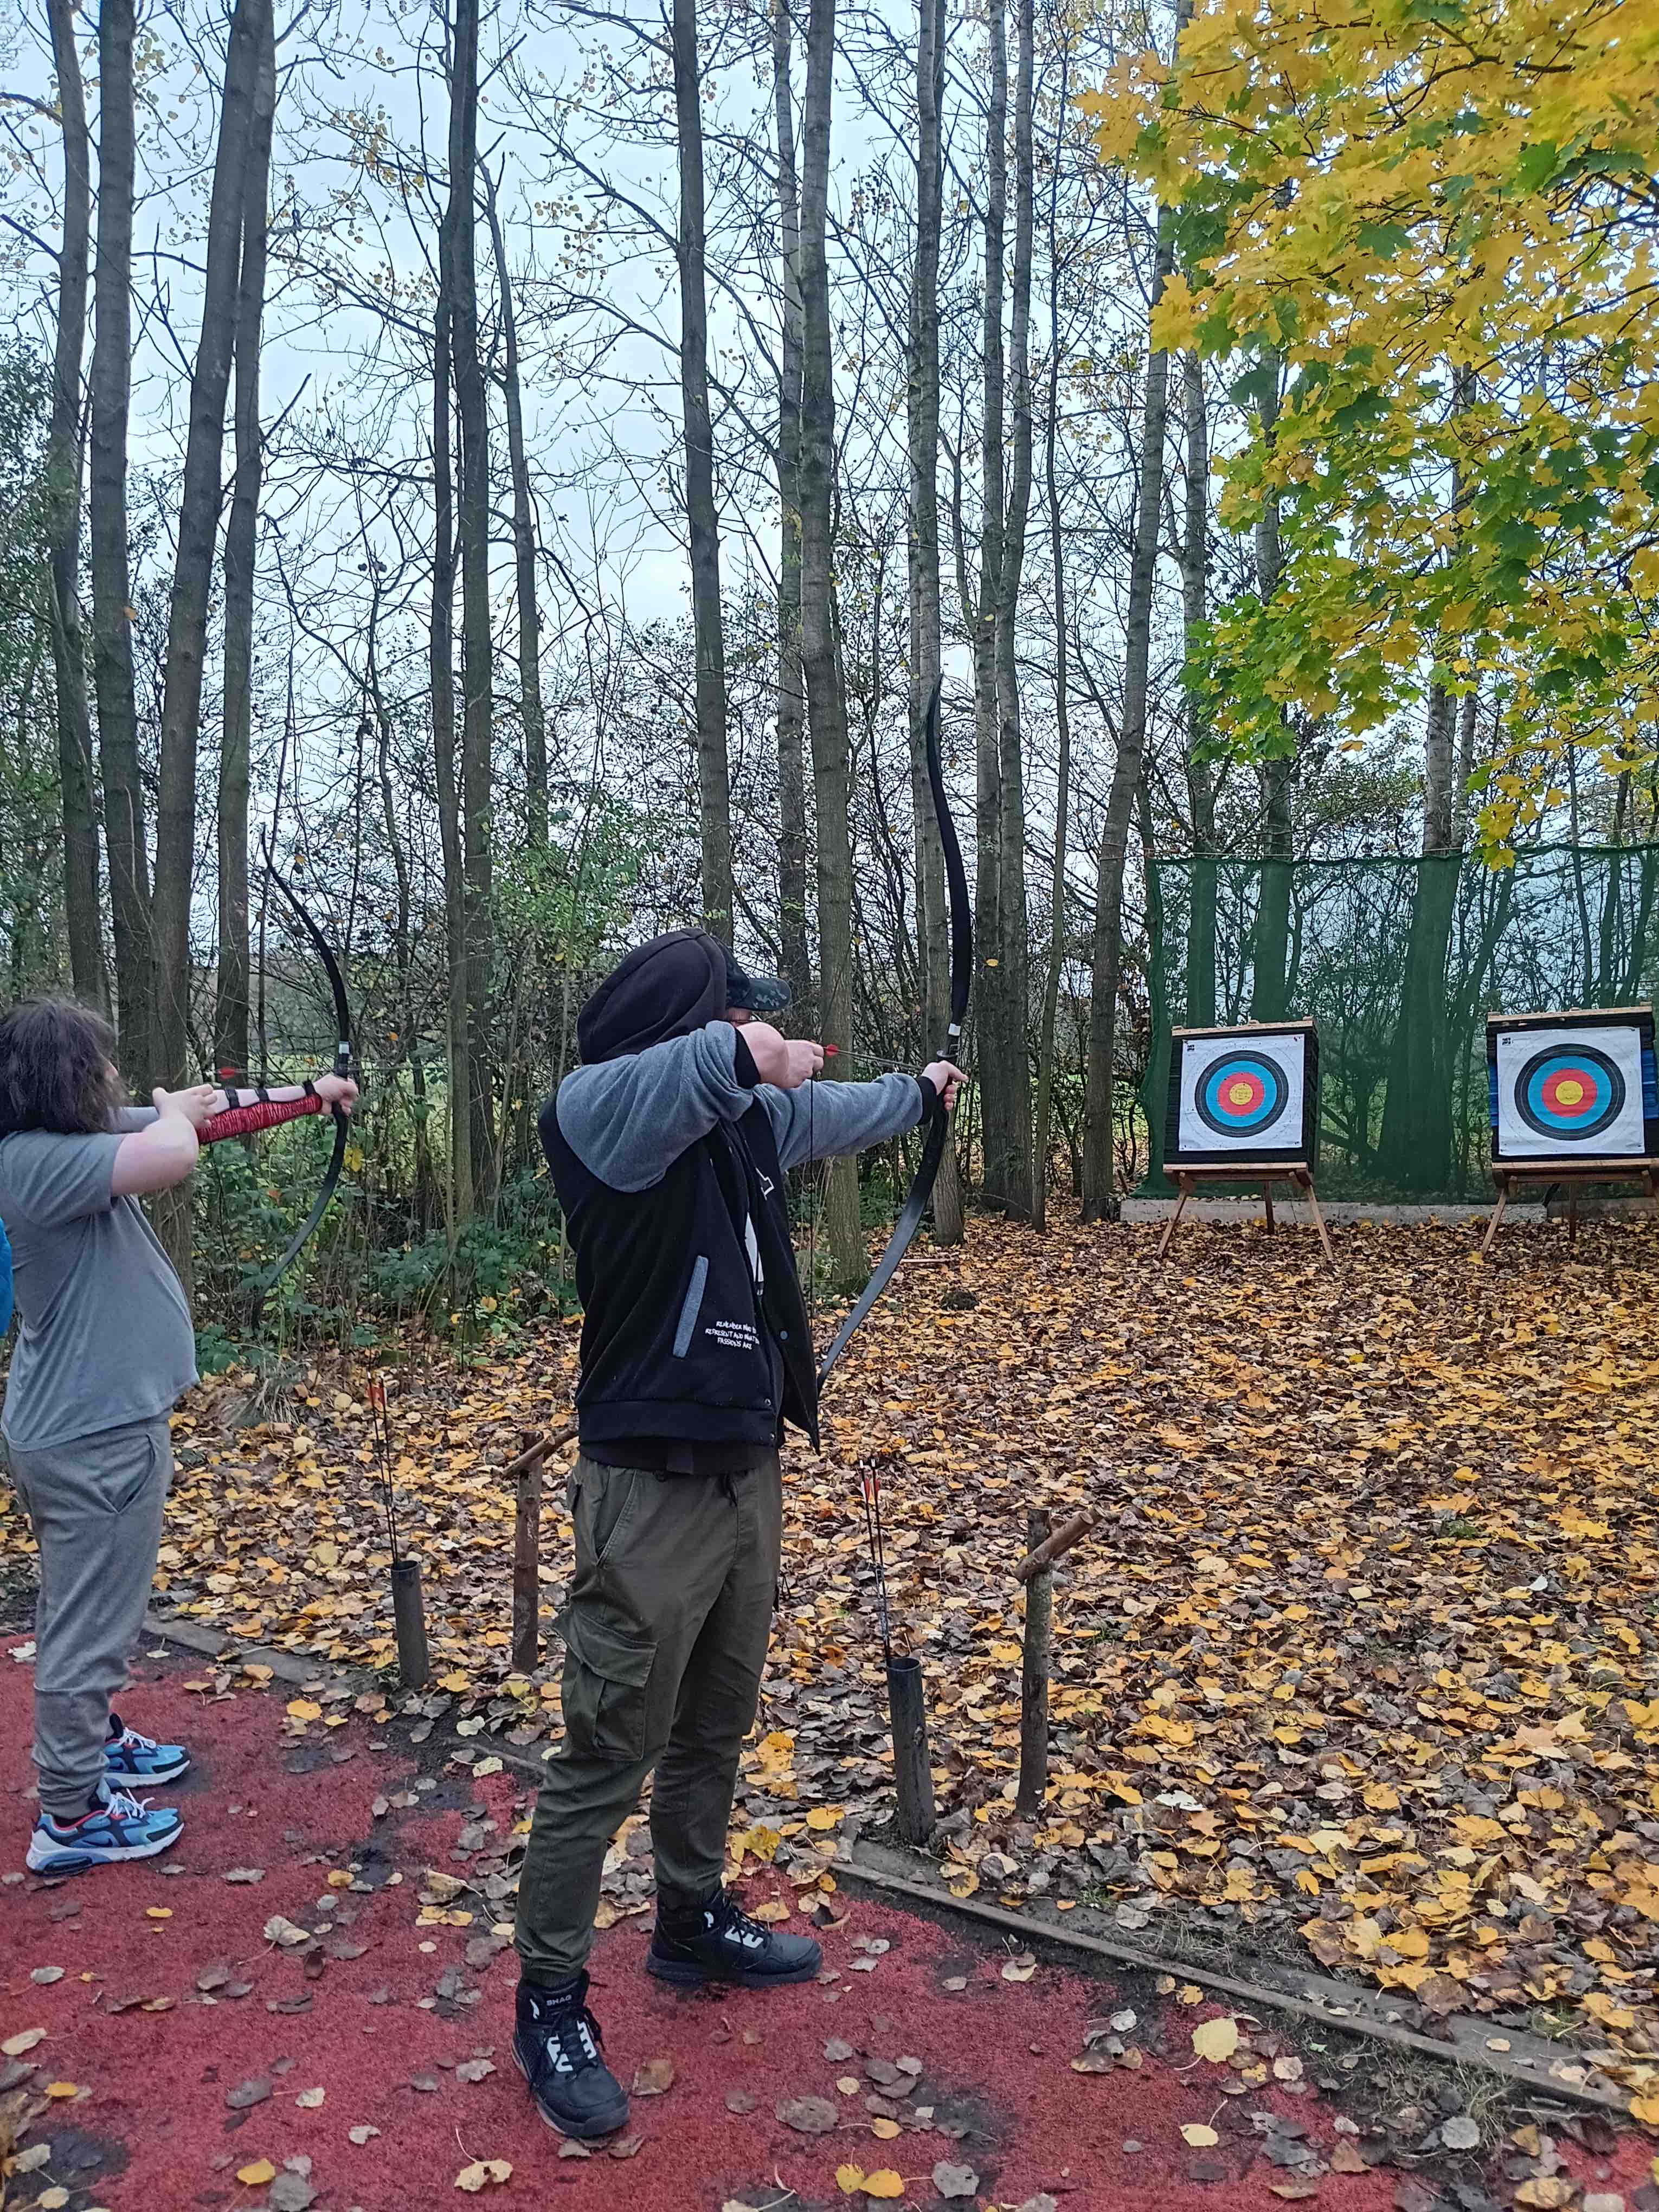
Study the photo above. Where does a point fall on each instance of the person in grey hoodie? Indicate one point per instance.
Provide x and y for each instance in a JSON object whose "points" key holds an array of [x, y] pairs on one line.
{"points": [[670, 1147]]}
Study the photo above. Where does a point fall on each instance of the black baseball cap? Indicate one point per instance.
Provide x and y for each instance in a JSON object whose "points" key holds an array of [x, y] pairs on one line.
{"points": [[760, 994]]}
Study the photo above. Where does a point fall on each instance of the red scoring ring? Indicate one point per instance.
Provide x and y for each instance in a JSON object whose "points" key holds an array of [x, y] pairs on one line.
{"points": [[1571, 1109], [1255, 1088]]}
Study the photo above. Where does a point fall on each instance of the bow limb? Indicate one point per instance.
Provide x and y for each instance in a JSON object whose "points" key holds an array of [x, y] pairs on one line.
{"points": [[255, 1293], [962, 973]]}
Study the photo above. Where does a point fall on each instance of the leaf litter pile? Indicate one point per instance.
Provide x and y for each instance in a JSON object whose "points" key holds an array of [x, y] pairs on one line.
{"points": [[1360, 1657]]}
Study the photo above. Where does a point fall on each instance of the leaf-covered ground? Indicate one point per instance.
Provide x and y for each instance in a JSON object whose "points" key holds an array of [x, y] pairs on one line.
{"points": [[1358, 1664]]}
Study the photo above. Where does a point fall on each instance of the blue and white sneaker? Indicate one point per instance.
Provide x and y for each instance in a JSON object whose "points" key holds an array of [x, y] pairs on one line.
{"points": [[132, 1761], [119, 1829]]}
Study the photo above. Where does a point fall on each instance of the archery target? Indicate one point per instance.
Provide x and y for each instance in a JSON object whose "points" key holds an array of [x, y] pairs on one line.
{"points": [[1243, 1093], [1570, 1089]]}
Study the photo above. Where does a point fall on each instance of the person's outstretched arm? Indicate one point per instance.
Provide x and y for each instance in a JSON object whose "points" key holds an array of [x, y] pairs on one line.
{"points": [[628, 1120], [828, 1121]]}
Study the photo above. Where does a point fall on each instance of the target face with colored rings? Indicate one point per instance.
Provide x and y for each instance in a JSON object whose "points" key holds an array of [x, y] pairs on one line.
{"points": [[1241, 1094], [1572, 1092]]}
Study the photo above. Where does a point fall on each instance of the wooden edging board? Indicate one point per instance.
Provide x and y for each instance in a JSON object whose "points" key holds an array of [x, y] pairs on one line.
{"points": [[1472, 2051], [867, 1866]]}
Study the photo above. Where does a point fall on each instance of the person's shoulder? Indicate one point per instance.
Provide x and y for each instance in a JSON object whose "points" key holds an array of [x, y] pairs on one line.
{"points": [[26, 1152]]}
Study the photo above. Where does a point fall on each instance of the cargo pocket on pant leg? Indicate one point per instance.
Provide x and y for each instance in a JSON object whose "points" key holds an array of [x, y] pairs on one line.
{"points": [[607, 1673]]}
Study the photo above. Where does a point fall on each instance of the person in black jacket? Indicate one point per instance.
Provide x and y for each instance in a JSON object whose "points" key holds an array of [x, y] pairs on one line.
{"points": [[669, 1149]]}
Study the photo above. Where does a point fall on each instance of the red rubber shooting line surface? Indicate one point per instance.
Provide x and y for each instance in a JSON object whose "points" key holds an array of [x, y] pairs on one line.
{"points": [[153, 2085]]}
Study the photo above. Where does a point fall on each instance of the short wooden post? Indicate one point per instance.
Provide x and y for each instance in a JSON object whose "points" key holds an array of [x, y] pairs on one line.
{"points": [[1034, 1676], [1035, 1571], [526, 1561], [913, 1772]]}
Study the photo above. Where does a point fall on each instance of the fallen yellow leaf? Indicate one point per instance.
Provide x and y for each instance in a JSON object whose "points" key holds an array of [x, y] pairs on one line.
{"points": [[257, 2175], [1217, 2039]]}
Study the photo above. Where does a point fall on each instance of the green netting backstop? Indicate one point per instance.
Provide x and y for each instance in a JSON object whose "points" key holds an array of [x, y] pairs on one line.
{"points": [[1400, 962]]}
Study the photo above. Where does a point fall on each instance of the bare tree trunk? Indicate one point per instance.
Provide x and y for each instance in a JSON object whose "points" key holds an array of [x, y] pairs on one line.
{"points": [[1100, 1197], [408, 1039], [1062, 702], [792, 696], [192, 580], [1415, 1146], [1270, 980], [65, 458], [702, 523], [1013, 971], [472, 414], [826, 701], [231, 1010], [1467, 722], [125, 814], [441, 661], [993, 1023], [922, 411], [1201, 774], [524, 549]]}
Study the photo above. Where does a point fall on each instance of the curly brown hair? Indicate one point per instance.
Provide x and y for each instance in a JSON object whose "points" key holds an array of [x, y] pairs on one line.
{"points": [[58, 1068]]}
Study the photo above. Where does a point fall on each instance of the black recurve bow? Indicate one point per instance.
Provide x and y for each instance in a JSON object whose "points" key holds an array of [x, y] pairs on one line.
{"points": [[254, 1294], [938, 1127]]}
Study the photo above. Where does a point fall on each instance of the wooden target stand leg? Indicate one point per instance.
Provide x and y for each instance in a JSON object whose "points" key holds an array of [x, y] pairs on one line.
{"points": [[1305, 1183], [1573, 1174], [1497, 1214], [1299, 1178], [1184, 1185]]}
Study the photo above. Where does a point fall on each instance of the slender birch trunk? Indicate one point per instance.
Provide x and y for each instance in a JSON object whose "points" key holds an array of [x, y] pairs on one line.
{"points": [[524, 548], [922, 403], [1013, 972], [231, 1012], [125, 812], [702, 520], [472, 516], [440, 663], [1201, 774], [1062, 689], [1100, 1197], [990, 813], [1270, 979], [791, 695], [826, 700], [65, 461]]}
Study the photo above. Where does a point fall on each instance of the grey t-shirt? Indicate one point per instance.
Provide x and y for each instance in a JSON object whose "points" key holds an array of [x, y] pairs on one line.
{"points": [[104, 1335]]}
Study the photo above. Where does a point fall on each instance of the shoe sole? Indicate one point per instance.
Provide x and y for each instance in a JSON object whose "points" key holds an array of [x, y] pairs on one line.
{"points": [[590, 2133], [686, 1976], [157, 1778], [71, 1862]]}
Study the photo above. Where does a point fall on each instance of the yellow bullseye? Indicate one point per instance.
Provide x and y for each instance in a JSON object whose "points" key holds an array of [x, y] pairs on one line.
{"points": [[1239, 1094], [1569, 1091]]}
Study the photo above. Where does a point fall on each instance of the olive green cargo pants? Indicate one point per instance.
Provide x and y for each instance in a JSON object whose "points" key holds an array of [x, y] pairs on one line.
{"points": [[665, 1634]]}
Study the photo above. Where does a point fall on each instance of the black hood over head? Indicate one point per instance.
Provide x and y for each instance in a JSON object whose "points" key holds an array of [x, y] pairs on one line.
{"points": [[666, 988]]}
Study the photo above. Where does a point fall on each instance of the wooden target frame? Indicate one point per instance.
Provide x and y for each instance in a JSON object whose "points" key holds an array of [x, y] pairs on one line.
{"points": [[1594, 1067], [1242, 1106]]}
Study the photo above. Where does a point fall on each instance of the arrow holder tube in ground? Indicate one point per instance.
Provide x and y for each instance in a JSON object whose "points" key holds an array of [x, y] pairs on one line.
{"points": [[913, 1772], [408, 1619]]}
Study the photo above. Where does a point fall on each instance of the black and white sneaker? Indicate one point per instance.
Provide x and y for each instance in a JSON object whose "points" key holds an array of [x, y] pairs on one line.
{"points": [[558, 2048], [718, 1943]]}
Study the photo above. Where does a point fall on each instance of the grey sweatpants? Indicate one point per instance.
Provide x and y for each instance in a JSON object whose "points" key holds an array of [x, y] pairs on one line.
{"points": [[95, 1507], [666, 1636]]}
